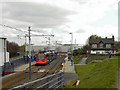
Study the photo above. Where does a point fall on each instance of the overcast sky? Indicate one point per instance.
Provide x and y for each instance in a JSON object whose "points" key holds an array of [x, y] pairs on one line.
{"points": [[59, 17]]}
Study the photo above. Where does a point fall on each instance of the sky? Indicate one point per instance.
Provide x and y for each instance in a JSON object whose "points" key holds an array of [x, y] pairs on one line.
{"points": [[59, 17]]}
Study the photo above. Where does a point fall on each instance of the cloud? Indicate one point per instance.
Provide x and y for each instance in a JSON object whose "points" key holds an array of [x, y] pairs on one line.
{"points": [[39, 15], [50, 16], [81, 1], [80, 31]]}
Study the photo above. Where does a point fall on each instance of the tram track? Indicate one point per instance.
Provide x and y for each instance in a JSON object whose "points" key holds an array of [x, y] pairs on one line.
{"points": [[17, 79], [23, 77], [55, 68]]}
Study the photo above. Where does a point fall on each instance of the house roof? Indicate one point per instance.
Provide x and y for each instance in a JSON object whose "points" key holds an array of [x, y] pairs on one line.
{"points": [[104, 40]]}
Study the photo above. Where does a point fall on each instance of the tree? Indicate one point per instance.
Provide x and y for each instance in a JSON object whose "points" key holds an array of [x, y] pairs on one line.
{"points": [[22, 48], [93, 37], [85, 49], [77, 52], [12, 48]]}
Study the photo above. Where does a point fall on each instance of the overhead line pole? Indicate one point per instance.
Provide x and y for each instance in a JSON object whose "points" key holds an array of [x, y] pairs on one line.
{"points": [[30, 50], [29, 55], [49, 43], [29, 35]]}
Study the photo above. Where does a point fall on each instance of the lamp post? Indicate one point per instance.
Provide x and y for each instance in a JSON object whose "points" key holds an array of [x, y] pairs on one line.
{"points": [[71, 48]]}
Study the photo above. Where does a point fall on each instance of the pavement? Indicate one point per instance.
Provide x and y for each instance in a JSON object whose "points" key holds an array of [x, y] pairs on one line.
{"points": [[18, 69], [15, 63]]}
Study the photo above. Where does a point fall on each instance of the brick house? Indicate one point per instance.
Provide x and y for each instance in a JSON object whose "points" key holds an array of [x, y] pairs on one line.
{"points": [[101, 46]]}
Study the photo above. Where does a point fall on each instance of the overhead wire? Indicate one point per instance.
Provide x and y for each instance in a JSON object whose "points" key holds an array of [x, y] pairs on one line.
{"points": [[12, 28], [26, 31]]}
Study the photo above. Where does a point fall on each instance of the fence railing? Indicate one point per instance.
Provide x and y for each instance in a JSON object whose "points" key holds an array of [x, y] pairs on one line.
{"points": [[96, 57], [51, 81]]}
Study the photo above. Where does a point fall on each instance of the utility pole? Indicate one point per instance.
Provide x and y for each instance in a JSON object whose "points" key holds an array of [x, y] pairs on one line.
{"points": [[25, 44], [75, 44], [25, 39], [4, 40], [49, 40], [29, 35], [56, 47], [49, 43], [29, 54], [57, 44]]}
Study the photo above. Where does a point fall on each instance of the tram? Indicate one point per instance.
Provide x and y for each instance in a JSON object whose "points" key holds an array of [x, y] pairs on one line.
{"points": [[44, 58]]}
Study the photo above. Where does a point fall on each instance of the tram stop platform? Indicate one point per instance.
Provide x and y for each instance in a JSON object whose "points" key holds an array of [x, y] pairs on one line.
{"points": [[68, 67], [23, 67], [69, 71]]}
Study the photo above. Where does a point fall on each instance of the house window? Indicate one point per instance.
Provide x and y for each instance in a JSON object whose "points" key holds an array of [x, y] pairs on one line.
{"points": [[94, 45], [108, 45], [101, 45]]}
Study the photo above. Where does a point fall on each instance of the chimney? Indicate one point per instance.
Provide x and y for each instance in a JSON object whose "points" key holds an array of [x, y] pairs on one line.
{"points": [[113, 36]]}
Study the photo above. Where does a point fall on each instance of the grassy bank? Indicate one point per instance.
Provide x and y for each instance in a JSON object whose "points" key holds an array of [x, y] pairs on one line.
{"points": [[97, 75], [76, 60]]}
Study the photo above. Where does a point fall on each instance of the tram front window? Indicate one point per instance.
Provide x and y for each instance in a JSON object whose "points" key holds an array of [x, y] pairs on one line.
{"points": [[41, 57]]}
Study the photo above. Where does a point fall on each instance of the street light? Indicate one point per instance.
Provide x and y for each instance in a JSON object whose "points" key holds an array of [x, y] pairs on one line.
{"points": [[71, 48], [71, 41]]}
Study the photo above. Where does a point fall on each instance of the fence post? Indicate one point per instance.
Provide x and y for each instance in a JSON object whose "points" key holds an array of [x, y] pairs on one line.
{"points": [[23, 87], [63, 79], [58, 79], [47, 80]]}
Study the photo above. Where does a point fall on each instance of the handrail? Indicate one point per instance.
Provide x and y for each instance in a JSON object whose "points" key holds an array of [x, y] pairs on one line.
{"points": [[29, 83], [49, 82]]}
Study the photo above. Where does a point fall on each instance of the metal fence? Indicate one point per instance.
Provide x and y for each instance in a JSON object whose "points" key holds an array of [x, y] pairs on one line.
{"points": [[49, 82]]}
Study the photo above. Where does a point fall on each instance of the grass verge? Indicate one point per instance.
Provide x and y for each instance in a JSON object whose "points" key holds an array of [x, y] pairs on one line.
{"points": [[97, 75]]}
